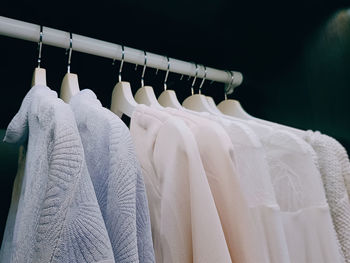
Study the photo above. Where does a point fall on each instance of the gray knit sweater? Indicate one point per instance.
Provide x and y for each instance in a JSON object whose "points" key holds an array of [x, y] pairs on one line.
{"points": [[117, 178], [55, 216]]}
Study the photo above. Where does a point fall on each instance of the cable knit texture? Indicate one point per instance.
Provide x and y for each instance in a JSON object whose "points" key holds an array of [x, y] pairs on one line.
{"points": [[334, 167], [343, 158], [57, 217], [117, 179]]}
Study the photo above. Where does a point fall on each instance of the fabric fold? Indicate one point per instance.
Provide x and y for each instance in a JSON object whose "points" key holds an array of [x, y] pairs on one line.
{"points": [[185, 223]]}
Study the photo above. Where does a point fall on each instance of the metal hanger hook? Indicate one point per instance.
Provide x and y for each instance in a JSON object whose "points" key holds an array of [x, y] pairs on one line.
{"points": [[166, 74], [143, 70], [194, 79], [121, 66], [70, 51], [229, 85], [40, 44], [205, 76]]}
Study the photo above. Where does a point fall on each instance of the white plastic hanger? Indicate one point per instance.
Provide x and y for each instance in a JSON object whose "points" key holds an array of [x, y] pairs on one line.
{"points": [[234, 109], [70, 85], [122, 100], [39, 77], [197, 102], [145, 94], [168, 97], [39, 74]]}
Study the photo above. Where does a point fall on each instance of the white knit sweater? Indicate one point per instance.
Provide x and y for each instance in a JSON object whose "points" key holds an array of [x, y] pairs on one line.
{"points": [[335, 170]]}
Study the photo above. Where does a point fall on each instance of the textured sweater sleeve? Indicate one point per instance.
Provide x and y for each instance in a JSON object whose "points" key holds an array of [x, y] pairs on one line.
{"points": [[125, 171], [343, 158], [6, 247], [129, 167], [143, 223], [117, 178], [83, 236], [70, 214], [335, 172]]}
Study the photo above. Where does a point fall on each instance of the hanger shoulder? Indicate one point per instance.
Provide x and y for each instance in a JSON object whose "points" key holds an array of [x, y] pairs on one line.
{"points": [[123, 101], [69, 87], [197, 102], [145, 95], [168, 99], [233, 108], [39, 77]]}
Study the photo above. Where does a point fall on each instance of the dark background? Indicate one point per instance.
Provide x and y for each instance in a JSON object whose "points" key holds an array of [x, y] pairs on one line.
{"points": [[294, 56]]}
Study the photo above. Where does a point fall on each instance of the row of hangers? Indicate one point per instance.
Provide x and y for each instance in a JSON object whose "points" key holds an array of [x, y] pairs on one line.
{"points": [[123, 101]]}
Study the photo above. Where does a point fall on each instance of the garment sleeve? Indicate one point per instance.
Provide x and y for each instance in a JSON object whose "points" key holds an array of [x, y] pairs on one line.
{"points": [[190, 227], [217, 154]]}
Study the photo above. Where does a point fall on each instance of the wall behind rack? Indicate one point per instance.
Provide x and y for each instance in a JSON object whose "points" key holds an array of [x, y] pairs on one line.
{"points": [[294, 56]]}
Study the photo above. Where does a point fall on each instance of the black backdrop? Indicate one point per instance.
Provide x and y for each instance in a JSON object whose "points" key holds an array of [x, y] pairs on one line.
{"points": [[294, 56]]}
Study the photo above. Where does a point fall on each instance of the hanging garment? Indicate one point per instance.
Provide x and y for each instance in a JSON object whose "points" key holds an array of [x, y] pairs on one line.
{"points": [[345, 163], [343, 158], [300, 194], [117, 179], [333, 181], [217, 155], [6, 248], [57, 218], [253, 174], [185, 224]]}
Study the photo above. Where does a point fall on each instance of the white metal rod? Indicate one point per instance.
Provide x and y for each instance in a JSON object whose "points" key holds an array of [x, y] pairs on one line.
{"points": [[31, 32]]}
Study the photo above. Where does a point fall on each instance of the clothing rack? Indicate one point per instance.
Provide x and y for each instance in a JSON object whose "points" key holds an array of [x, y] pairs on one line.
{"points": [[53, 37]]}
